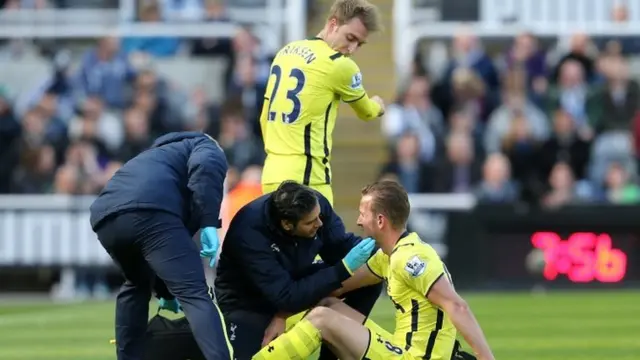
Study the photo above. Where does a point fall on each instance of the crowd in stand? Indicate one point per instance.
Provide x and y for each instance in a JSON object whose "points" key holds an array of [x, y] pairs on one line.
{"points": [[72, 131], [548, 126]]}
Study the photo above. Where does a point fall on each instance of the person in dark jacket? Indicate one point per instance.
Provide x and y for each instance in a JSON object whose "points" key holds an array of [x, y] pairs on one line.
{"points": [[267, 271], [145, 218]]}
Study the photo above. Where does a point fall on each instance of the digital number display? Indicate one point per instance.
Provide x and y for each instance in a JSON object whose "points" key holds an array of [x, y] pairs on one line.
{"points": [[582, 257]]}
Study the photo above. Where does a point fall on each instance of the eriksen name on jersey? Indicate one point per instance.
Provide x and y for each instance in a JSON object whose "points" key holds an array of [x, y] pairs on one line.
{"points": [[302, 51]]}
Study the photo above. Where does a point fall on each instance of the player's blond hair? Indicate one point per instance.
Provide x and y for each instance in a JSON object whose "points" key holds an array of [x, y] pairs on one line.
{"points": [[346, 10], [390, 199]]}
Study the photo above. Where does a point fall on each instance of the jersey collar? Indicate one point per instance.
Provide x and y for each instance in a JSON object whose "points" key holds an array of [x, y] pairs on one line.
{"points": [[404, 235]]}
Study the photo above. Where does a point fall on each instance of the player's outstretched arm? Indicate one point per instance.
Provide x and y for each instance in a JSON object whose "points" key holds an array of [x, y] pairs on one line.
{"points": [[349, 87], [361, 278], [444, 296]]}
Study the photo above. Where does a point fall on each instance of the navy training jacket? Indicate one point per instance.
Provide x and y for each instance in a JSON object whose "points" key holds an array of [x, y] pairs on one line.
{"points": [[263, 270], [182, 173]]}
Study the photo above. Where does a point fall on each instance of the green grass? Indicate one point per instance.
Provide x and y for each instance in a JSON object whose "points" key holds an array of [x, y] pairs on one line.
{"points": [[556, 326]]}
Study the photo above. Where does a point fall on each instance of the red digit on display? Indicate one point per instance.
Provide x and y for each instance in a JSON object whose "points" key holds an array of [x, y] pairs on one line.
{"points": [[611, 264], [580, 250], [549, 243]]}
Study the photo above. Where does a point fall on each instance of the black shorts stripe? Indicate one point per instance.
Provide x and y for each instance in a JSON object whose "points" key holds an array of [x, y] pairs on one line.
{"points": [[415, 312], [307, 152], [431, 344], [325, 160]]}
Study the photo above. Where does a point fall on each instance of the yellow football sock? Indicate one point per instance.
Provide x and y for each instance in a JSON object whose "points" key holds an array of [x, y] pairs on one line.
{"points": [[296, 344]]}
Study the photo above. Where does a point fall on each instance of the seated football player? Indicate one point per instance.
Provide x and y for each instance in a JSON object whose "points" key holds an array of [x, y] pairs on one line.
{"points": [[429, 312]]}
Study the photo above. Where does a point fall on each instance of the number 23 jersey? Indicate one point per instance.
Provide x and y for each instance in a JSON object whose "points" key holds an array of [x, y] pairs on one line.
{"points": [[413, 267], [308, 80]]}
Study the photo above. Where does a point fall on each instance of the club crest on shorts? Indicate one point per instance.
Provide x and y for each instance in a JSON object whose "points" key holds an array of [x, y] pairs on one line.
{"points": [[356, 81], [415, 266]]}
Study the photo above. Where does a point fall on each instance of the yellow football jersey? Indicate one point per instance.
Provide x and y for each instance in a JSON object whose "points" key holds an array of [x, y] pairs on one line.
{"points": [[307, 82], [423, 329]]}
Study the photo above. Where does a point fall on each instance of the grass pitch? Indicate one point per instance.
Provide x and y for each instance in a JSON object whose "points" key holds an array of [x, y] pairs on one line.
{"points": [[554, 326]]}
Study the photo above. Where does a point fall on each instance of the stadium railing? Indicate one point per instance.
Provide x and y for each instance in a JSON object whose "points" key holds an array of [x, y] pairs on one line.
{"points": [[556, 19], [268, 23]]}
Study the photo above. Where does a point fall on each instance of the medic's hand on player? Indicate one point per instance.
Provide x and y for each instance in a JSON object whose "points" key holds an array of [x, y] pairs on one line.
{"points": [[359, 255], [380, 102], [275, 329], [210, 244], [171, 305]]}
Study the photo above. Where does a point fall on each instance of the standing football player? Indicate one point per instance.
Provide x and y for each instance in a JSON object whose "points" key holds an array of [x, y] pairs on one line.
{"points": [[309, 78]]}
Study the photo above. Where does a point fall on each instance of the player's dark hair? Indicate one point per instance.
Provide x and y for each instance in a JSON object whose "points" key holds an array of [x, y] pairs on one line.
{"points": [[292, 201], [390, 199]]}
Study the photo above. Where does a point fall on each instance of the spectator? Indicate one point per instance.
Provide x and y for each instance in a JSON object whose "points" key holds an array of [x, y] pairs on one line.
{"points": [[137, 137], [520, 147], [157, 46], [10, 132], [459, 171], [410, 169], [247, 189], [620, 187], [496, 185], [573, 94], [247, 87], [526, 54], [247, 45], [152, 96], [211, 46], [515, 105], [414, 112], [626, 45], [582, 52], [470, 93], [108, 128], [104, 71], [565, 145], [468, 53], [618, 99], [236, 138], [181, 10], [564, 190]]}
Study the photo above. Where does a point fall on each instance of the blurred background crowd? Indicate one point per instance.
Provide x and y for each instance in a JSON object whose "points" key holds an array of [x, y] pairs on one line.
{"points": [[547, 124], [71, 131]]}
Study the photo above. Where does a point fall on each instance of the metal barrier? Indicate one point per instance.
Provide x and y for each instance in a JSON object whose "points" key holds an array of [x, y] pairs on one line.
{"points": [[268, 22], [48, 230]]}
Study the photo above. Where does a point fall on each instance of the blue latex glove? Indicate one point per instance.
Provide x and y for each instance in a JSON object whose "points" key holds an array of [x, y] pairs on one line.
{"points": [[358, 255], [210, 244], [171, 305]]}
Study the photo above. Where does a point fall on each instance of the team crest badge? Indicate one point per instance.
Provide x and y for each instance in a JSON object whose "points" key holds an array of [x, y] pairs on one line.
{"points": [[356, 81], [415, 266]]}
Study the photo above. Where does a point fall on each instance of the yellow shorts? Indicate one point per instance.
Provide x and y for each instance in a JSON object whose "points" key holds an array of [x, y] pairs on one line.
{"points": [[369, 324], [323, 189], [381, 348]]}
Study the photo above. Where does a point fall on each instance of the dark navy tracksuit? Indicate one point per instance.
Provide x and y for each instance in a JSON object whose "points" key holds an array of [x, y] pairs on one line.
{"points": [[145, 218], [263, 271]]}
